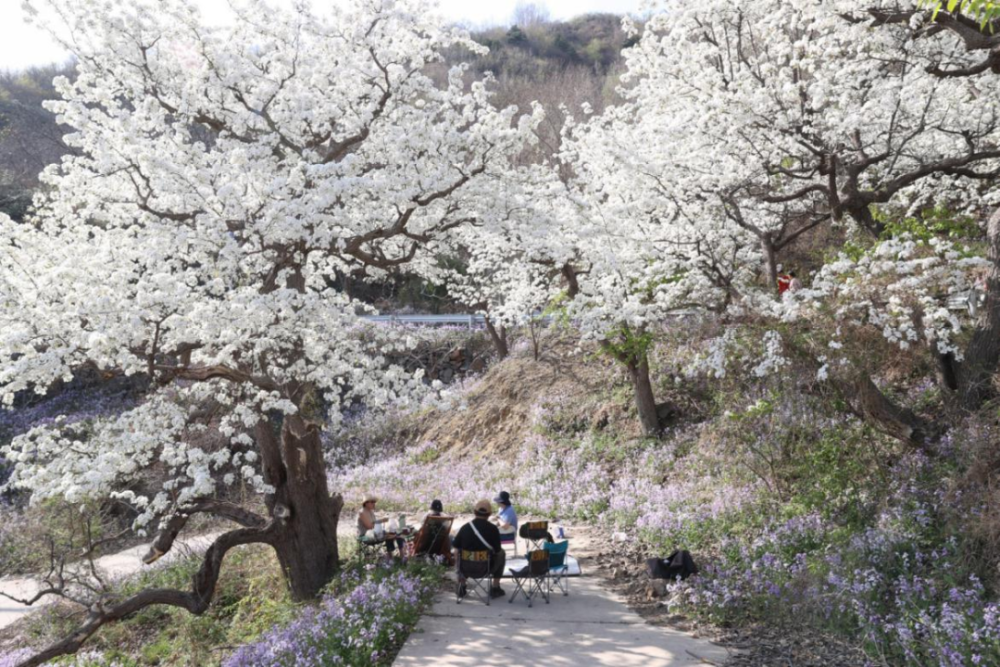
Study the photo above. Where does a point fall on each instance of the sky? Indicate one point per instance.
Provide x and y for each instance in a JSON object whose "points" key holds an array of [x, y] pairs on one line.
{"points": [[23, 45]]}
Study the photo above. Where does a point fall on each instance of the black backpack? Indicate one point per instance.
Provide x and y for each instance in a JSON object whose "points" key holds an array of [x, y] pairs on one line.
{"points": [[678, 564]]}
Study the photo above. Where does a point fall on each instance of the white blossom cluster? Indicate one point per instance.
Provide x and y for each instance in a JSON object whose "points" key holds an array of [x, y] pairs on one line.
{"points": [[899, 289], [509, 265]]}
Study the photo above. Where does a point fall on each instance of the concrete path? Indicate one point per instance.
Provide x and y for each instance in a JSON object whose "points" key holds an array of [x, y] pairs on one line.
{"points": [[590, 626]]}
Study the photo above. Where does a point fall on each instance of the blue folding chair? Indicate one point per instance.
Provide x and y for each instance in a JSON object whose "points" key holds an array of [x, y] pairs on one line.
{"points": [[558, 576]]}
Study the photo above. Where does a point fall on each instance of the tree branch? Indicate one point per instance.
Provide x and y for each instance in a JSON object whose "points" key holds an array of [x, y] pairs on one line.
{"points": [[175, 524], [196, 600]]}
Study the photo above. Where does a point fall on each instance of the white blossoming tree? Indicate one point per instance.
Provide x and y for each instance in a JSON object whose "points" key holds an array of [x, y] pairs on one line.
{"points": [[645, 258], [963, 44], [777, 117], [219, 181], [512, 267]]}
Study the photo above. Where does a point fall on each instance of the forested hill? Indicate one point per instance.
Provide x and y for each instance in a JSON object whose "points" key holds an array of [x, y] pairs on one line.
{"points": [[592, 41], [30, 139]]}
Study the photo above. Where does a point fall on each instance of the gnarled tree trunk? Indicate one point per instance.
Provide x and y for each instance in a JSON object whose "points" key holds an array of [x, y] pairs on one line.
{"points": [[770, 259], [307, 544], [572, 282], [499, 338], [874, 407], [307, 548]]}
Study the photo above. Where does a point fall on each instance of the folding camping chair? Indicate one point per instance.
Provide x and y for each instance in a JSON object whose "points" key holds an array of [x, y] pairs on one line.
{"points": [[535, 534], [475, 567], [368, 549], [432, 535], [535, 575], [558, 576]]}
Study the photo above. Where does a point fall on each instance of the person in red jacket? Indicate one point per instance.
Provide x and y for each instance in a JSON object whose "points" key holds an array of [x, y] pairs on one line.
{"points": [[784, 282]]}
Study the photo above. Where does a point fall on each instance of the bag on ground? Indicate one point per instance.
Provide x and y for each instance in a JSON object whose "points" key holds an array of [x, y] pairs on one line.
{"points": [[679, 564]]}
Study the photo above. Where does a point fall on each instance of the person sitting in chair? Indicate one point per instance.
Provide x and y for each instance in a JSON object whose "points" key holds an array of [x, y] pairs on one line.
{"points": [[444, 545], [367, 521], [506, 518], [437, 509], [481, 535]]}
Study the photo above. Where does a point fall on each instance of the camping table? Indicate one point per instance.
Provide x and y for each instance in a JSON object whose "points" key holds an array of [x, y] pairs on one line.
{"points": [[572, 567]]}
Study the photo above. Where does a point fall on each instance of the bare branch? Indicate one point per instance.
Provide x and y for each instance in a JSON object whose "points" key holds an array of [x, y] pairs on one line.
{"points": [[196, 601]]}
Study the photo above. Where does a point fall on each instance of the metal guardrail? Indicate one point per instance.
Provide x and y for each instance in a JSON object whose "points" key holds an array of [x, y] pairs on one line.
{"points": [[460, 319], [970, 301]]}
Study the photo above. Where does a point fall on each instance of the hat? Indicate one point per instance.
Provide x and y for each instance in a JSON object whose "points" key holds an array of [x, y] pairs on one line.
{"points": [[369, 499], [503, 497], [483, 507], [436, 506]]}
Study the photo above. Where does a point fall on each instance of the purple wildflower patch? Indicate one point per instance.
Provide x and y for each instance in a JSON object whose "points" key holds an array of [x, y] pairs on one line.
{"points": [[363, 625]]}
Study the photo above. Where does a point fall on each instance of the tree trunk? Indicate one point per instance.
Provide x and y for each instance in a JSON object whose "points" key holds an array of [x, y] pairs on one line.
{"points": [[572, 284], [770, 259], [975, 373], [499, 338], [862, 214], [307, 544], [874, 407], [644, 399]]}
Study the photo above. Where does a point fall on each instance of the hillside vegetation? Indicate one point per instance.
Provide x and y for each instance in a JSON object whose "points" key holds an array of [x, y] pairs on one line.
{"points": [[800, 516], [738, 274]]}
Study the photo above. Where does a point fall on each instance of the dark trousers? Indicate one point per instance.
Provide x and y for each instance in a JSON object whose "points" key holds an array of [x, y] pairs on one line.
{"points": [[499, 563]]}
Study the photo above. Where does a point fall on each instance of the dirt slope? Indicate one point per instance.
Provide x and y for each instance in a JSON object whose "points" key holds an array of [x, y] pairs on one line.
{"points": [[503, 407]]}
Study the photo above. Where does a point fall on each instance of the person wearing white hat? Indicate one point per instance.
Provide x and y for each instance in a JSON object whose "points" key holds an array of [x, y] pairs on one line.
{"points": [[367, 521]]}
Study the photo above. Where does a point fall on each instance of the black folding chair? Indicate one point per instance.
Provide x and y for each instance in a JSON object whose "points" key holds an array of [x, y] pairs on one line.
{"points": [[368, 549], [535, 534], [475, 567], [531, 581]]}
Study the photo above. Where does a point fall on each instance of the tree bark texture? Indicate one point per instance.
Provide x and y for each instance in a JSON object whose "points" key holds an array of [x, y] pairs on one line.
{"points": [[645, 401], [874, 407], [499, 338], [770, 260], [977, 370], [572, 283], [307, 545]]}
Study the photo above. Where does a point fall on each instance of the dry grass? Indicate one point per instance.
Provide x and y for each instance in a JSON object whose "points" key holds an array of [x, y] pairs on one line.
{"points": [[500, 410]]}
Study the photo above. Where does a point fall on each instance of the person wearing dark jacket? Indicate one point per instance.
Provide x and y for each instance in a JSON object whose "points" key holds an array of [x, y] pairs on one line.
{"points": [[479, 535]]}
